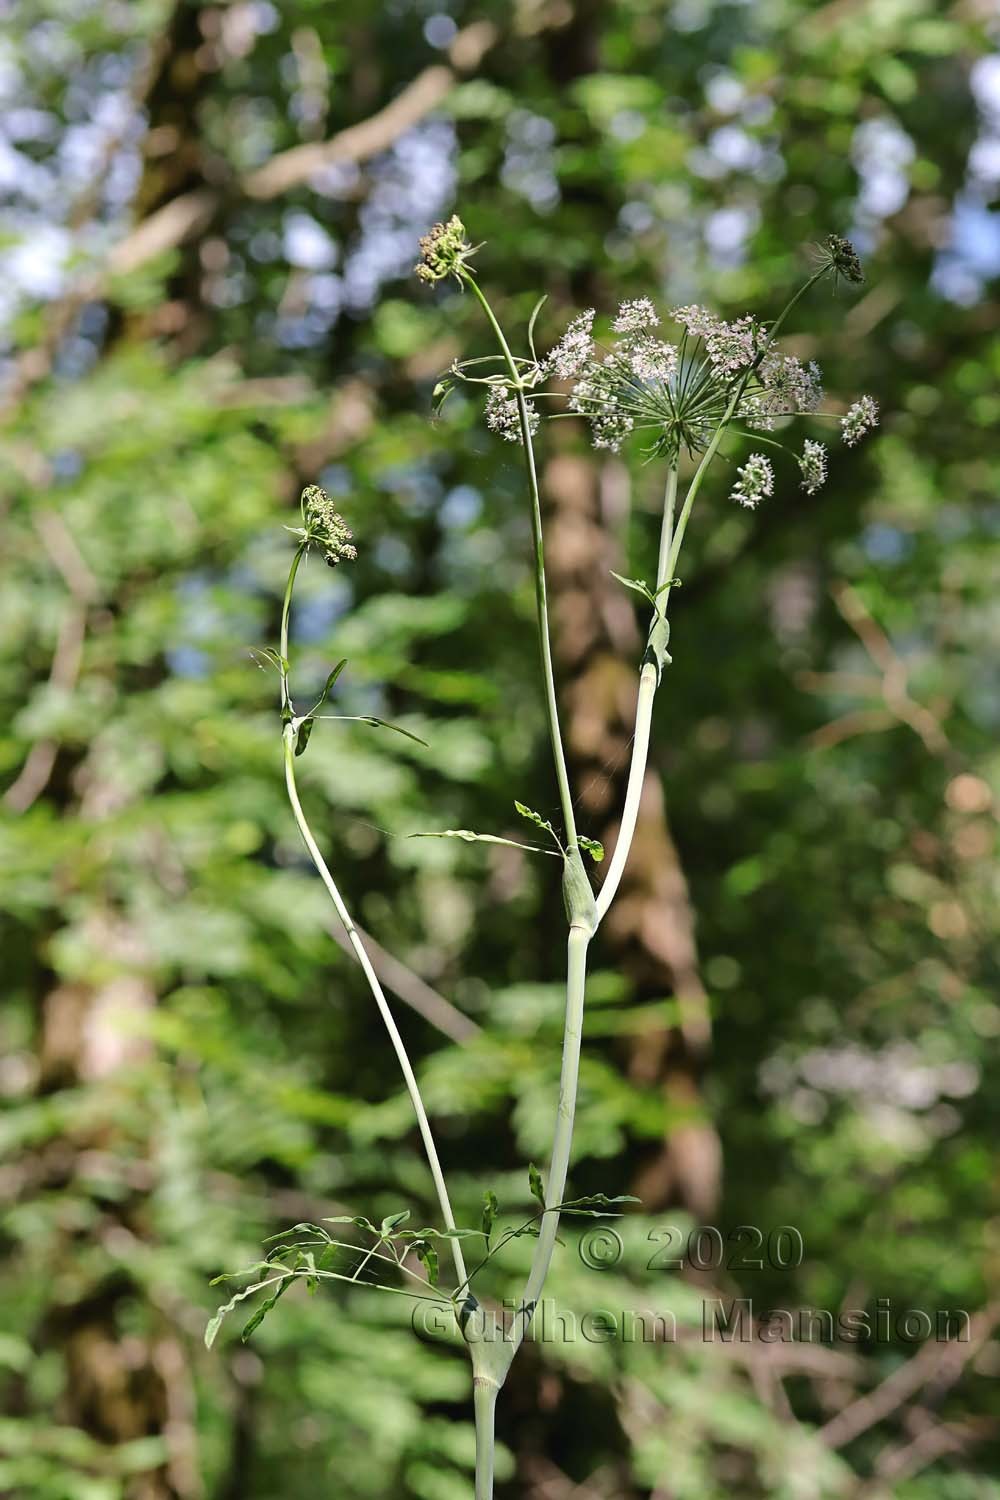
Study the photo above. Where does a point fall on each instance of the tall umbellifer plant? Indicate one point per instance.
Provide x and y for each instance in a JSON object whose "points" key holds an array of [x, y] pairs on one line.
{"points": [[685, 398]]}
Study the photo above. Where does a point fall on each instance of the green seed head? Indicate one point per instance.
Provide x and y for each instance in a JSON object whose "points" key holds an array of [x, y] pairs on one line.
{"points": [[443, 251]]}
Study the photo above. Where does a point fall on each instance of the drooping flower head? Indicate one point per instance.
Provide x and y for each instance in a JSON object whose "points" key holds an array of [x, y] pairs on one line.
{"points": [[326, 527]]}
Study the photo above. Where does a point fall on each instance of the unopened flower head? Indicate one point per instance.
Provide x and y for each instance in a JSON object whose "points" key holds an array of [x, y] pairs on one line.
{"points": [[503, 415], [444, 250], [859, 419], [813, 465], [755, 481], [326, 527]]}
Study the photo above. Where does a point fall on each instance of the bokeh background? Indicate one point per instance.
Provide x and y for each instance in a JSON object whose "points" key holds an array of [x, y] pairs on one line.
{"points": [[211, 218]]}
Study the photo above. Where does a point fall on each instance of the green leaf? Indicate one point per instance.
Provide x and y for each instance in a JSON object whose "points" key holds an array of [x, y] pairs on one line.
{"points": [[533, 817], [302, 736], [481, 838], [429, 1256], [262, 654], [638, 584], [392, 1221], [215, 1322], [533, 1231], [594, 847], [328, 685], [535, 1183], [531, 324], [356, 1219], [383, 724], [491, 1208], [441, 392], [437, 1234], [656, 648], [295, 1229], [265, 1307], [594, 1205]]}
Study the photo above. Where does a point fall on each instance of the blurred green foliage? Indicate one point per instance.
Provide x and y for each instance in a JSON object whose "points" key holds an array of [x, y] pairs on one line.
{"points": [[190, 1062]]}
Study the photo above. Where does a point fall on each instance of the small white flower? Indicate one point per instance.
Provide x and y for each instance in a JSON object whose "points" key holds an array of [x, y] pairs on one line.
{"points": [[813, 466], [790, 386], [573, 350], [635, 316], [650, 359], [732, 347], [697, 320], [502, 415], [861, 418], [755, 481]]}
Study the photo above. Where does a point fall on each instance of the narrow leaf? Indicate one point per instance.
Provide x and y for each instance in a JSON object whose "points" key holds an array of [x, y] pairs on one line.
{"points": [[215, 1323], [480, 838], [595, 1205], [265, 1307], [392, 1221], [491, 1208], [262, 654], [437, 1234], [535, 1183], [328, 685], [383, 724], [531, 325], [440, 394], [297, 1229], [302, 737], [429, 1256], [357, 1220], [638, 584], [533, 817]]}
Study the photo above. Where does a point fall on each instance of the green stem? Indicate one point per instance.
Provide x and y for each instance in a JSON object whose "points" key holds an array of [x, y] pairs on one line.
{"points": [[412, 1087], [502, 1353], [671, 540], [541, 591], [484, 1396], [649, 678], [286, 606]]}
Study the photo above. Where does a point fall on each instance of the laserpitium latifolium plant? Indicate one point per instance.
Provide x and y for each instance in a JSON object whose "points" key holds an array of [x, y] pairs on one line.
{"points": [[685, 397]]}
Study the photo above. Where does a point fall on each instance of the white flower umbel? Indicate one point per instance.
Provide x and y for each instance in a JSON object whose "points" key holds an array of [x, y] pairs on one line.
{"points": [[719, 373], [859, 419], [636, 316], [503, 416], [755, 481], [813, 466]]}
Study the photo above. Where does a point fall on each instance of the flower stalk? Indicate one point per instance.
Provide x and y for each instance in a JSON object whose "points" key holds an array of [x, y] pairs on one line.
{"points": [[291, 729]]}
